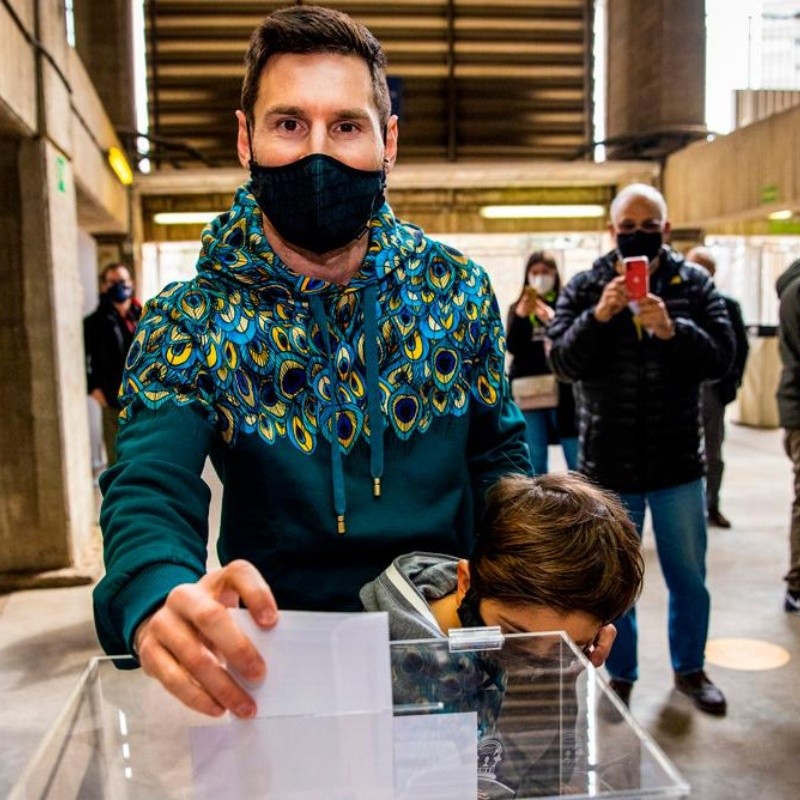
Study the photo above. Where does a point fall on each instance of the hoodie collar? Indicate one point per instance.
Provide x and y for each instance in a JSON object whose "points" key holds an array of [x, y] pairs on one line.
{"points": [[234, 246]]}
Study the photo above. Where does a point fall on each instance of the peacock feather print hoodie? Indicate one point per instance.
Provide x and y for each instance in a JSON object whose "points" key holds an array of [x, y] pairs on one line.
{"points": [[348, 424]]}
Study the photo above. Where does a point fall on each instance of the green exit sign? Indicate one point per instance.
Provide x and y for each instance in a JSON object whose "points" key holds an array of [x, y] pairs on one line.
{"points": [[768, 194], [783, 227], [61, 174]]}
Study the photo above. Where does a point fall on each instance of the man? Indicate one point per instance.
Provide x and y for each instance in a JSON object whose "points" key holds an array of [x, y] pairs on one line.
{"points": [[107, 336], [639, 366], [715, 395], [343, 371], [788, 287]]}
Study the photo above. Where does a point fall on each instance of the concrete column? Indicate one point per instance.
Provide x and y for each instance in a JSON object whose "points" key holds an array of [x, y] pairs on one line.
{"points": [[656, 75], [46, 494], [104, 41], [45, 477]]}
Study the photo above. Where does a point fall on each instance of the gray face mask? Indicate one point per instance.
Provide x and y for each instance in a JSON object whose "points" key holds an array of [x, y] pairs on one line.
{"points": [[544, 284]]}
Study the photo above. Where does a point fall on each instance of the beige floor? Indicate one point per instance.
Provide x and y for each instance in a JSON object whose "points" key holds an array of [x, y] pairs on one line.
{"points": [[46, 637]]}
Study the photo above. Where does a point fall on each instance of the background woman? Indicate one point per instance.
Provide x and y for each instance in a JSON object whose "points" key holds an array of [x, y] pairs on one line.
{"points": [[547, 405]]}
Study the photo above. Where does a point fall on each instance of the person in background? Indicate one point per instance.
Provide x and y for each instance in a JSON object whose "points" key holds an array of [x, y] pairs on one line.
{"points": [[549, 409], [715, 395], [344, 372], [107, 336], [788, 394], [639, 366]]}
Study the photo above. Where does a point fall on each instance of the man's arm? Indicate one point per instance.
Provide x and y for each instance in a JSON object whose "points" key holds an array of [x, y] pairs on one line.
{"points": [[156, 600], [742, 342], [702, 347], [92, 361], [496, 440], [576, 331]]}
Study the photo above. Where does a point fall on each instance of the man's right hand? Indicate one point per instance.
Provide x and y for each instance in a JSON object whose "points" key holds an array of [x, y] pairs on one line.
{"points": [[613, 299], [188, 642], [99, 397]]}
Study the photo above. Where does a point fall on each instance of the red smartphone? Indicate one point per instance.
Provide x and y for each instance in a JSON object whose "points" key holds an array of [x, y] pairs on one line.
{"points": [[637, 276]]}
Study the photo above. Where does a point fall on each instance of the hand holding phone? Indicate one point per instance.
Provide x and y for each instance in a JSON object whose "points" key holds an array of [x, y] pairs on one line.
{"points": [[531, 294], [637, 276]]}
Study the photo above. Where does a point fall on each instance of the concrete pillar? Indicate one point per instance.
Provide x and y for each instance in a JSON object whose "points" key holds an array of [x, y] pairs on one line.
{"points": [[656, 76], [104, 41], [46, 495], [45, 478]]}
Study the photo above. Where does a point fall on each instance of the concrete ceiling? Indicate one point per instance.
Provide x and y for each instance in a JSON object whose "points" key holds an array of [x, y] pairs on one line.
{"points": [[478, 79]]}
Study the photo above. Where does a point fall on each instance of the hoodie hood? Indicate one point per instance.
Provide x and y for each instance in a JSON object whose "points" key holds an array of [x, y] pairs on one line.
{"points": [[787, 276], [405, 590], [235, 248]]}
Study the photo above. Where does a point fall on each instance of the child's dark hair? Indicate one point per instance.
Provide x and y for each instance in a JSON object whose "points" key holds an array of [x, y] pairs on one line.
{"points": [[557, 541]]}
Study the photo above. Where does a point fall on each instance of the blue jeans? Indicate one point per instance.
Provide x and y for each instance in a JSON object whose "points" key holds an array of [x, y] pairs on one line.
{"points": [[679, 525], [538, 425]]}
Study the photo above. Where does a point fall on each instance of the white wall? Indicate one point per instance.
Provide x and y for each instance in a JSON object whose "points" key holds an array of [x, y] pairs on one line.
{"points": [[502, 255]]}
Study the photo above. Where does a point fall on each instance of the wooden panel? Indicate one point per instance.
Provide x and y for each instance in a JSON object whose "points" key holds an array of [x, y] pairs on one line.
{"points": [[480, 79], [739, 178]]}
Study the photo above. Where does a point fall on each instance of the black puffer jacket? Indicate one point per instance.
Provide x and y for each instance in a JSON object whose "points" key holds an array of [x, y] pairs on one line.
{"points": [[638, 395]]}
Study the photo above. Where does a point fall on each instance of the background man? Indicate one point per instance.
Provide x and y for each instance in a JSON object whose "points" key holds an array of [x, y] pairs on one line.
{"points": [[715, 395], [344, 371], [788, 288], [107, 336], [639, 372]]}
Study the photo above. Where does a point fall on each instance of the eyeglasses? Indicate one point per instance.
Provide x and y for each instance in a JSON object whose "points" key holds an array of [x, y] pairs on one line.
{"points": [[649, 226]]}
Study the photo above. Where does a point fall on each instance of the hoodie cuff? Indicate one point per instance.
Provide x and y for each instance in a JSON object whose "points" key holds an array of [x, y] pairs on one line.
{"points": [[143, 595]]}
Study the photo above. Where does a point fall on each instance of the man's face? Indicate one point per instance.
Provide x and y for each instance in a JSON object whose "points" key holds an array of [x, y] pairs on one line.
{"points": [[638, 213], [317, 103], [118, 275]]}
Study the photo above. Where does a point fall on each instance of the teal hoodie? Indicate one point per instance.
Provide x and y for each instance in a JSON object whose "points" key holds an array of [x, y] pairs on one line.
{"points": [[348, 424]]}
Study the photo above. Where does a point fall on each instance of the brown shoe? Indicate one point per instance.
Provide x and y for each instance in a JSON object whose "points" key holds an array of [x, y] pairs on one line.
{"points": [[704, 694], [717, 519]]}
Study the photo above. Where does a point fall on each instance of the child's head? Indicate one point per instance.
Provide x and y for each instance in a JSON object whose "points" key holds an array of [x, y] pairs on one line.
{"points": [[551, 549]]}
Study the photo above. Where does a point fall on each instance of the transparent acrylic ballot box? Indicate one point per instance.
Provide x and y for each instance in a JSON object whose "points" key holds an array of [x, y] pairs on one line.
{"points": [[476, 716]]}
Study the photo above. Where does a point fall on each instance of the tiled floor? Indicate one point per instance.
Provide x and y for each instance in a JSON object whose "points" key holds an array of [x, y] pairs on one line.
{"points": [[46, 637]]}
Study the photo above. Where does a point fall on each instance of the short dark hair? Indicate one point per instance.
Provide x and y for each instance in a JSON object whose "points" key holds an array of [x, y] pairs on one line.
{"points": [[110, 267], [313, 29], [557, 541]]}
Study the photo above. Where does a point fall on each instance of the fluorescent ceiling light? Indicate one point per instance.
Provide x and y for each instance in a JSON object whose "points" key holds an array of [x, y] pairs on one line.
{"points": [[787, 213], [185, 217], [118, 162], [543, 212]]}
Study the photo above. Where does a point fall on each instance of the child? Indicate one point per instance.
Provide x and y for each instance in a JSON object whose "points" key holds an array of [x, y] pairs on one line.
{"points": [[554, 553]]}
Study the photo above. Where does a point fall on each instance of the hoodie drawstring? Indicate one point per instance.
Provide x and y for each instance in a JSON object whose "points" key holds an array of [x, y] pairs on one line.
{"points": [[376, 420], [339, 497]]}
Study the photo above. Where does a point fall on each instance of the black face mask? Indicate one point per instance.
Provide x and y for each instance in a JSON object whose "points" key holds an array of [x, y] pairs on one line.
{"points": [[119, 292], [468, 612], [639, 243], [318, 203]]}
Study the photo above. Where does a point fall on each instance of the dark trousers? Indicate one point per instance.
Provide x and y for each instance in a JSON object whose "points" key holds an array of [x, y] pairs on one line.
{"points": [[713, 412], [791, 443]]}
